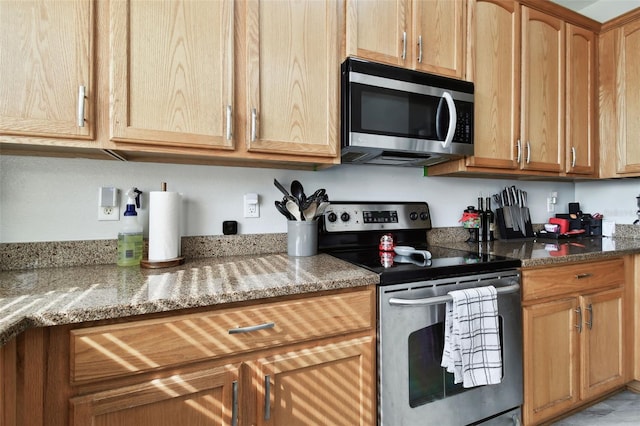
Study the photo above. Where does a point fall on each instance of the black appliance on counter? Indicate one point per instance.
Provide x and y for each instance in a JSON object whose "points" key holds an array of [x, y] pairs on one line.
{"points": [[412, 386]]}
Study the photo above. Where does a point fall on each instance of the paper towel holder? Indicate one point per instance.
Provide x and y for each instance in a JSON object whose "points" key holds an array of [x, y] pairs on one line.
{"points": [[148, 264], [157, 264]]}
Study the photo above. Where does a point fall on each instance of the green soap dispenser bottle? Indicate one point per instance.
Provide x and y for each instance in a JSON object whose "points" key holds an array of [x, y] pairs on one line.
{"points": [[130, 242]]}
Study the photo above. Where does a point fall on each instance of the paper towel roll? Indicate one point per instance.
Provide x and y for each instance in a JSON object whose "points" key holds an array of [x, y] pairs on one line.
{"points": [[164, 225]]}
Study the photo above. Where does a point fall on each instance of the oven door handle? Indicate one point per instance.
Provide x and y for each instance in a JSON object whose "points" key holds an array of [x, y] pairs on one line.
{"points": [[437, 300]]}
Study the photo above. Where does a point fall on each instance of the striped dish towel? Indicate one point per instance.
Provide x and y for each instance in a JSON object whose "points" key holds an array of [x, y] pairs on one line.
{"points": [[472, 337]]}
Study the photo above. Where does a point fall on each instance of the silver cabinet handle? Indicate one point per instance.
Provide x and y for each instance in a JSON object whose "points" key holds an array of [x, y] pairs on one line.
{"points": [[267, 397], [519, 151], [590, 320], [582, 276], [579, 325], [254, 124], [234, 404], [404, 45], [420, 49], [573, 157], [528, 152], [251, 328], [229, 134], [82, 90]]}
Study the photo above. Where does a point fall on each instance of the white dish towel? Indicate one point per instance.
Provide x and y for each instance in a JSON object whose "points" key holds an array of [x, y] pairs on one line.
{"points": [[472, 337]]}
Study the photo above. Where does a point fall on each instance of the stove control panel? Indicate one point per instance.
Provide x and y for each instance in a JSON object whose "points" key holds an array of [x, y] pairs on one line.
{"points": [[343, 216]]}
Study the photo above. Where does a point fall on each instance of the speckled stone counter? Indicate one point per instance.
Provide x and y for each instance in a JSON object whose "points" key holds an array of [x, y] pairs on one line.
{"points": [[540, 252], [56, 296]]}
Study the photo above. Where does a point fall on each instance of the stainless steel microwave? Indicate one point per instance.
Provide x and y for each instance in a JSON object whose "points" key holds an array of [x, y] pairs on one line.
{"points": [[396, 116]]}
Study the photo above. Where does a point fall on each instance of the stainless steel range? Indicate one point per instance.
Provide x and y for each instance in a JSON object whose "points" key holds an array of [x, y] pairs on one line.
{"points": [[412, 387]]}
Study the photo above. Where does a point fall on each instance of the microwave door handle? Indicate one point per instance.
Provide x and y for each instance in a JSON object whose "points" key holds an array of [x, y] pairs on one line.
{"points": [[453, 119]]}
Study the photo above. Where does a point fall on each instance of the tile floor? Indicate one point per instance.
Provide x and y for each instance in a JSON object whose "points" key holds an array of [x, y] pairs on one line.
{"points": [[620, 409]]}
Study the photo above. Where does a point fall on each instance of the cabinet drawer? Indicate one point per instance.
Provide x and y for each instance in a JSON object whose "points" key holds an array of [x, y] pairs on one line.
{"points": [[559, 280], [119, 349]]}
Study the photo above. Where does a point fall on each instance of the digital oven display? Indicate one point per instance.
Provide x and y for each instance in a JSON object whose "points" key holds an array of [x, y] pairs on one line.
{"points": [[380, 216]]}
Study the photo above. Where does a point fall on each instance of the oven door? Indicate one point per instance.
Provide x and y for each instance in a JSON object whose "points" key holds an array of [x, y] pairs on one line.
{"points": [[413, 388]]}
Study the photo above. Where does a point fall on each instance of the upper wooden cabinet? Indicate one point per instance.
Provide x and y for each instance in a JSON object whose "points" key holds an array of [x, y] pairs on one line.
{"points": [[427, 35], [542, 118], [46, 68], [496, 73], [526, 123], [293, 53], [619, 68], [171, 72], [581, 105]]}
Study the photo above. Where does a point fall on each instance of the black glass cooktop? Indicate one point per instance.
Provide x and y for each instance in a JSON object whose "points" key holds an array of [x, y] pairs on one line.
{"points": [[444, 262]]}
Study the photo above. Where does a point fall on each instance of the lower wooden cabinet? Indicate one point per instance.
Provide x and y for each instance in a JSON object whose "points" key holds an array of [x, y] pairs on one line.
{"points": [[295, 360], [574, 341], [201, 398], [328, 384]]}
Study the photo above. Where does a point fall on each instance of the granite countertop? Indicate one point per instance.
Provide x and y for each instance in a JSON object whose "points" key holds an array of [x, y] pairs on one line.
{"points": [[541, 252], [56, 296], [74, 294]]}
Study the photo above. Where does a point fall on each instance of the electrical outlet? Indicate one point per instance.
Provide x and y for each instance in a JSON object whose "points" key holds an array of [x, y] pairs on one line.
{"points": [[551, 206], [108, 213], [108, 204], [251, 205]]}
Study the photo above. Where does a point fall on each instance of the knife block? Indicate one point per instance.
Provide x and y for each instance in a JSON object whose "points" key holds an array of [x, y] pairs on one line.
{"points": [[508, 233]]}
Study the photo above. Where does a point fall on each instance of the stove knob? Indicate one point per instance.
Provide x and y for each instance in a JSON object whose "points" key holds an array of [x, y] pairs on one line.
{"points": [[413, 215], [424, 216], [345, 217], [332, 217]]}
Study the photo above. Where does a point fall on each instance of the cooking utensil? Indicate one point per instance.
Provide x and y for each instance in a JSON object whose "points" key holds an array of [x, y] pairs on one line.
{"points": [[408, 251], [282, 209], [310, 212], [298, 192], [293, 209], [280, 187]]}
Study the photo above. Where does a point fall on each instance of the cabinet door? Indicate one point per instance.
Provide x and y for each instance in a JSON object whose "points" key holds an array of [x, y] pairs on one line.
{"points": [[379, 30], [293, 75], [602, 342], [628, 107], [46, 57], [439, 29], [172, 72], [195, 399], [496, 73], [325, 385], [551, 359], [581, 86], [542, 128]]}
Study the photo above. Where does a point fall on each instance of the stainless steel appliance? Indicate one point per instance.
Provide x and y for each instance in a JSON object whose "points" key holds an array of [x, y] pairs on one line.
{"points": [[395, 116], [412, 387]]}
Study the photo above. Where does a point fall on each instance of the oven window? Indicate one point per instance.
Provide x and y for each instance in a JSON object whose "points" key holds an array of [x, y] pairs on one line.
{"points": [[427, 380]]}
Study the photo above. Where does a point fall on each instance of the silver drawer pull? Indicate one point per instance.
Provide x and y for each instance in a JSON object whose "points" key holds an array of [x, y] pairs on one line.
{"points": [[581, 276], [251, 328], [437, 300]]}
